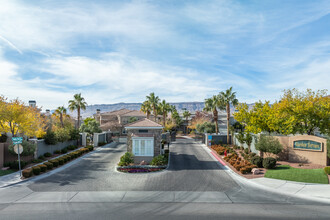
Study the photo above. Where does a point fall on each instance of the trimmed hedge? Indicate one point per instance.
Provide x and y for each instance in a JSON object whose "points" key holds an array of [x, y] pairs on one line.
{"points": [[54, 162], [36, 170], [43, 168], [60, 161], [49, 165], [257, 160], [27, 173], [269, 163]]}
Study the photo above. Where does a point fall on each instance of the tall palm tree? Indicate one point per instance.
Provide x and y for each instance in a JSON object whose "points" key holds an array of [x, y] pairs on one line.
{"points": [[186, 114], [153, 100], [164, 108], [78, 103], [212, 105], [61, 111], [146, 108], [228, 97]]}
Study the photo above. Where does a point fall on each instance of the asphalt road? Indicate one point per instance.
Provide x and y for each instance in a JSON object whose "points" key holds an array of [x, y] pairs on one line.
{"points": [[193, 187], [191, 169]]}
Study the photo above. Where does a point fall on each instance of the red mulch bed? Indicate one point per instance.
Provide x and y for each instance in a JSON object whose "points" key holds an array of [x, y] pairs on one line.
{"points": [[263, 170], [249, 175]]}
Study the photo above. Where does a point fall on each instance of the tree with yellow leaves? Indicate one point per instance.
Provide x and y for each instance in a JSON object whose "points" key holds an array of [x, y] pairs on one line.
{"points": [[19, 119], [296, 112]]}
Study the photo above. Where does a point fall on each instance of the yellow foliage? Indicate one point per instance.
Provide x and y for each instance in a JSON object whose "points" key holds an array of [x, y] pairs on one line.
{"points": [[296, 112], [17, 118]]}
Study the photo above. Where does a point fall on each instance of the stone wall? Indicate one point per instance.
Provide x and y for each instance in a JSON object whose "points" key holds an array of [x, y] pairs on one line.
{"points": [[157, 134]]}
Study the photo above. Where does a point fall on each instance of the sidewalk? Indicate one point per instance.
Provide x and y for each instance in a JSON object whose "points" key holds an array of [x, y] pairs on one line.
{"points": [[14, 178], [319, 192]]}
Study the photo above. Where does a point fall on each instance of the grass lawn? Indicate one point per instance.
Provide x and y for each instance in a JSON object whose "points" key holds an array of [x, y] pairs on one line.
{"points": [[285, 172], [5, 172]]}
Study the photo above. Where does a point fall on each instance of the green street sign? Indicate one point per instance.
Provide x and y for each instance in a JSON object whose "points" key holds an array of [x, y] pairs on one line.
{"points": [[17, 140]]}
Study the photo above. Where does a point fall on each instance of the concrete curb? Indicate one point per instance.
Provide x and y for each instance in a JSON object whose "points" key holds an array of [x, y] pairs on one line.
{"points": [[16, 180], [243, 181]]}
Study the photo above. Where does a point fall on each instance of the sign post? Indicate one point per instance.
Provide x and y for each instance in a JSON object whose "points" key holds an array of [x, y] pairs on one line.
{"points": [[18, 149]]}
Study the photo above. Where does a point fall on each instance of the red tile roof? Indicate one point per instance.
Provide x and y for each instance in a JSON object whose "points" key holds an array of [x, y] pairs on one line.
{"points": [[144, 123]]}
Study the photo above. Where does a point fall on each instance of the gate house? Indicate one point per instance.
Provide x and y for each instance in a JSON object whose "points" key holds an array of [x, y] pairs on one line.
{"points": [[144, 139]]}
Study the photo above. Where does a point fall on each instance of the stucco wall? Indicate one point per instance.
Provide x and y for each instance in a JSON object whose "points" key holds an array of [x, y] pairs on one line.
{"points": [[2, 146], [42, 147], [304, 156]]}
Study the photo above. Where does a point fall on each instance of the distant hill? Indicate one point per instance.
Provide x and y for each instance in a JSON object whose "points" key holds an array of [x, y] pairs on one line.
{"points": [[180, 106]]}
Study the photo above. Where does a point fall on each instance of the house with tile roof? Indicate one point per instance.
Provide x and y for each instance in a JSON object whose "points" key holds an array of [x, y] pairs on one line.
{"points": [[144, 139], [116, 120]]}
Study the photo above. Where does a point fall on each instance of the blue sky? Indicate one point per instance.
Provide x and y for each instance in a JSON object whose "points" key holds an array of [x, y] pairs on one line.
{"points": [[120, 51]]}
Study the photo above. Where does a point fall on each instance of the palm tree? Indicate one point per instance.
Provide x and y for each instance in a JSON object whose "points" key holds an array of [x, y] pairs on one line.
{"points": [[77, 103], [153, 100], [146, 108], [164, 108], [212, 105], [186, 114], [228, 97], [61, 111]]}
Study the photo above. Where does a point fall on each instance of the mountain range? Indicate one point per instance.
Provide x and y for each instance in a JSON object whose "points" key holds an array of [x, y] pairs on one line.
{"points": [[180, 106]]}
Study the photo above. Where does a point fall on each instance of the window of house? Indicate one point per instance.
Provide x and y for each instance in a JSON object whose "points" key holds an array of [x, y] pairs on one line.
{"points": [[143, 131], [143, 147]]}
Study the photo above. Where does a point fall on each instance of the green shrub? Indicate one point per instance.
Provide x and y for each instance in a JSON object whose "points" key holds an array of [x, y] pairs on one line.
{"points": [[36, 170], [47, 154], [50, 138], [28, 148], [126, 159], [327, 170], [74, 134], [64, 150], [90, 147], [71, 147], [41, 157], [65, 159], [15, 166], [36, 161], [54, 162], [60, 161], [62, 134], [256, 160], [49, 165], [269, 163], [43, 168], [269, 144], [68, 157], [159, 160], [246, 150], [57, 152], [27, 173]]}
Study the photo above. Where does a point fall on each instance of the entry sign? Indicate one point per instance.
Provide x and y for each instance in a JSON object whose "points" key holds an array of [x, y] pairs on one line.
{"points": [[17, 140], [209, 140]]}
